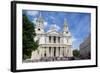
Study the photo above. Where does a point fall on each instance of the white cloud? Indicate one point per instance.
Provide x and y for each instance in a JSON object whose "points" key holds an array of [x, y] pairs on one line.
{"points": [[45, 24], [74, 39], [32, 13]]}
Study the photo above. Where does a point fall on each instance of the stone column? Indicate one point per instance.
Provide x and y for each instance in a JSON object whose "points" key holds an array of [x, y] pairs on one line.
{"points": [[68, 52], [61, 51], [57, 51], [64, 51], [47, 51], [51, 52], [71, 52]]}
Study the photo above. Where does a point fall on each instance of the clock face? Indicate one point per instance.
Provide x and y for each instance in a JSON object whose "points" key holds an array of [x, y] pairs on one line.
{"points": [[38, 29]]}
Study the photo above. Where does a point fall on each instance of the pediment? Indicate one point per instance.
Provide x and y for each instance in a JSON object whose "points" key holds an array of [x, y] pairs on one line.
{"points": [[53, 32]]}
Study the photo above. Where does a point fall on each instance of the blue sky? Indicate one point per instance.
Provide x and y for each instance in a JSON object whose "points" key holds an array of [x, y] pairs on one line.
{"points": [[78, 23]]}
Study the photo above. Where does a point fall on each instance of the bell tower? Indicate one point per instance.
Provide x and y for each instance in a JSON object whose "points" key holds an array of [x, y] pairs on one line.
{"points": [[39, 25]]}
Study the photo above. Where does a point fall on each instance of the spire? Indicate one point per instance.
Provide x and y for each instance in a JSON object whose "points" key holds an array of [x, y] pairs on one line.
{"points": [[40, 18], [65, 22], [40, 15], [65, 28]]}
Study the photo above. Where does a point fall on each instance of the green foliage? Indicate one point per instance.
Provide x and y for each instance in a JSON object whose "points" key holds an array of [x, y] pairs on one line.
{"points": [[76, 53], [28, 38]]}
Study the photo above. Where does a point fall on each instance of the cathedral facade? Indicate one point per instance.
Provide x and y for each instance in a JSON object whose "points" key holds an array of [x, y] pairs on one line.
{"points": [[52, 44]]}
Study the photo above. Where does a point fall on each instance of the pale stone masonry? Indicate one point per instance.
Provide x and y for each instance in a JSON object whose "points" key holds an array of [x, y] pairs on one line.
{"points": [[85, 48], [52, 44]]}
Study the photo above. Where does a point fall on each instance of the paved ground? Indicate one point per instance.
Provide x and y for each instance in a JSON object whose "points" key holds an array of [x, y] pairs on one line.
{"points": [[51, 59]]}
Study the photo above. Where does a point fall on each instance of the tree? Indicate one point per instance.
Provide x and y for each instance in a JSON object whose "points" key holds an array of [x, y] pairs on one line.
{"points": [[76, 53], [28, 38]]}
